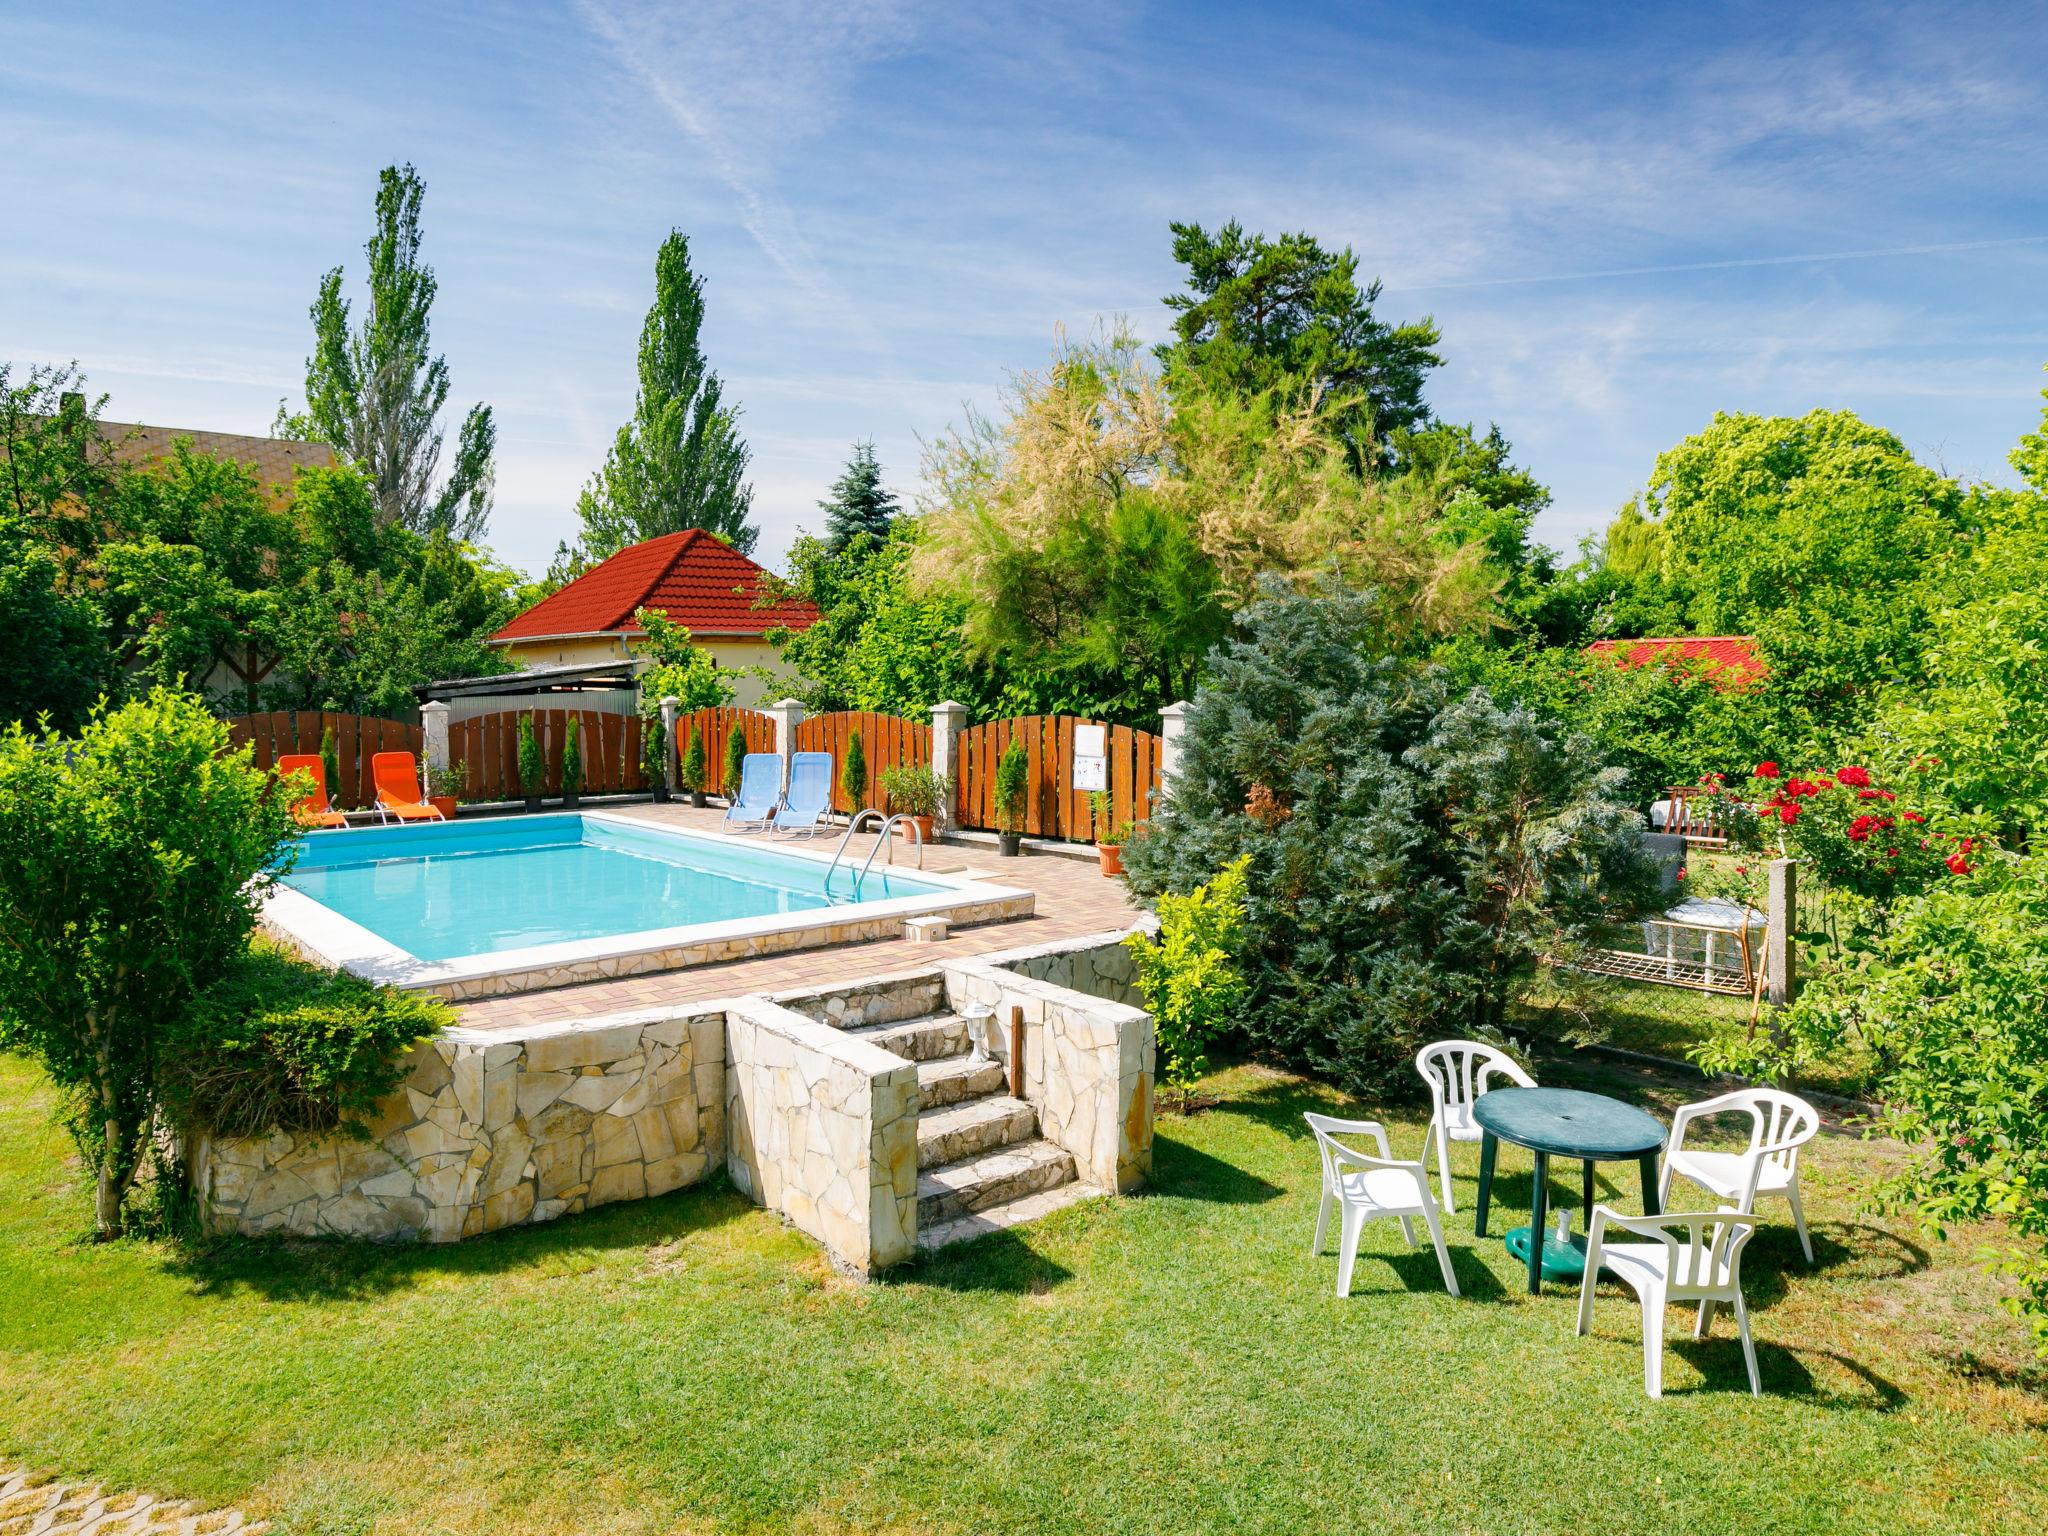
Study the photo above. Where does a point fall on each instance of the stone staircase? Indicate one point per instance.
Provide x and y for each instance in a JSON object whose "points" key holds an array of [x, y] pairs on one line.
{"points": [[982, 1166]]}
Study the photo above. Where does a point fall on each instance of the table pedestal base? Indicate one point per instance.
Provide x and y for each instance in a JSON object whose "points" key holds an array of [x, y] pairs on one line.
{"points": [[1561, 1261]]}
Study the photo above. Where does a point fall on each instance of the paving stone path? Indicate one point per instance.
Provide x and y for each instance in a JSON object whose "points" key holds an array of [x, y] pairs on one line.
{"points": [[33, 1505]]}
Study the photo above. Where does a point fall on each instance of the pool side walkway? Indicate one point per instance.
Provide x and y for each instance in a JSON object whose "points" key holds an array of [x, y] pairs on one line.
{"points": [[1074, 899]]}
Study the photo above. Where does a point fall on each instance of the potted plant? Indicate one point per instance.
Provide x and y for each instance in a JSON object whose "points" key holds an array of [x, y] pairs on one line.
{"points": [[1013, 791], [572, 766], [533, 767], [853, 776], [692, 769], [916, 792], [444, 788], [1110, 837], [652, 767], [735, 759]]}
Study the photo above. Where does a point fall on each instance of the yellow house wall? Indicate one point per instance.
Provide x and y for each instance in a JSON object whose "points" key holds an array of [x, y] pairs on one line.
{"points": [[749, 690]]}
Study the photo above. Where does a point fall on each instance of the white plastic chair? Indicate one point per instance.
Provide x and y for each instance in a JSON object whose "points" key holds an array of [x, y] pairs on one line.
{"points": [[1367, 1187], [1780, 1124], [1706, 1267], [1456, 1071]]}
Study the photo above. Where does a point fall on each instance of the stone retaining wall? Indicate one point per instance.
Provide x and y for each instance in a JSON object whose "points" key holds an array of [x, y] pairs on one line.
{"points": [[823, 1130], [1098, 965], [1088, 1066], [489, 1132]]}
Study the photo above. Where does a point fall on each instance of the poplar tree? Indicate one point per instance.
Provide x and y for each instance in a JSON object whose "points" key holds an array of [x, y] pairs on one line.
{"points": [[376, 391], [679, 463]]}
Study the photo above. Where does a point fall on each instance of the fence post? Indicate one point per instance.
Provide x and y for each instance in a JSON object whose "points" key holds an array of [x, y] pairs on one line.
{"points": [[433, 742], [788, 715], [1783, 960], [1172, 721], [948, 721], [671, 753]]}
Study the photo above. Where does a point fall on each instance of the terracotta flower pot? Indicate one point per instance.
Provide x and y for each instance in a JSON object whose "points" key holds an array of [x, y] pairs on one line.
{"points": [[1112, 856], [445, 804], [924, 829]]}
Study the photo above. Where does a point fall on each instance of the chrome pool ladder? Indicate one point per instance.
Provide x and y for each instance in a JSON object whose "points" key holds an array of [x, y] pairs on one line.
{"points": [[881, 841]]}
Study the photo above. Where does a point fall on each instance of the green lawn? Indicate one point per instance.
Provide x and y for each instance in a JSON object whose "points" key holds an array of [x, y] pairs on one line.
{"points": [[1173, 1361]]}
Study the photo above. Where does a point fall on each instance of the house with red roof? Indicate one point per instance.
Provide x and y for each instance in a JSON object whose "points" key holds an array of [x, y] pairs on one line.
{"points": [[726, 601], [1730, 660]]}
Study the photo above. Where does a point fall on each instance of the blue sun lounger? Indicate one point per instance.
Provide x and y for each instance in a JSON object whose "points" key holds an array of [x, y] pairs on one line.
{"points": [[760, 793], [810, 794]]}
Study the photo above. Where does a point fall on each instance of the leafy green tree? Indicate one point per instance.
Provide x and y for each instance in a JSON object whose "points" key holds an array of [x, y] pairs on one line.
{"points": [[55, 654], [132, 860], [679, 463], [1288, 316], [860, 506], [682, 669], [57, 466], [376, 391]]}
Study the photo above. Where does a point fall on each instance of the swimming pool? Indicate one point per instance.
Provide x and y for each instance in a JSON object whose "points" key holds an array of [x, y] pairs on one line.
{"points": [[508, 904]]}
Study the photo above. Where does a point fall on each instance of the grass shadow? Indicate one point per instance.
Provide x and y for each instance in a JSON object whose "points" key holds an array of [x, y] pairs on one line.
{"points": [[320, 1269], [1184, 1171], [1783, 1371], [1002, 1261]]}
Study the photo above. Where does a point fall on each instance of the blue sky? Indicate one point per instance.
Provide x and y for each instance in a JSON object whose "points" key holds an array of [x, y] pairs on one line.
{"points": [[1623, 217]]}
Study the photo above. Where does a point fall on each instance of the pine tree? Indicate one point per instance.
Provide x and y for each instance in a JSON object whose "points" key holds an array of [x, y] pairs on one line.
{"points": [[853, 774], [679, 463], [859, 504], [735, 759], [375, 393]]}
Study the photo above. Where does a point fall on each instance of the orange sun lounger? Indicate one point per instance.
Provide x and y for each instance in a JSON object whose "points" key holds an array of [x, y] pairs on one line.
{"points": [[313, 811], [397, 775]]}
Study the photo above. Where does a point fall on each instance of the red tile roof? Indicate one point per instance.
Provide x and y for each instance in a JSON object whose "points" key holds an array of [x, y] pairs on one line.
{"points": [[705, 585], [1734, 654]]}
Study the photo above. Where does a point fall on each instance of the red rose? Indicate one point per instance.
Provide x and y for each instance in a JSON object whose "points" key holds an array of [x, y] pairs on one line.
{"points": [[1855, 778], [1957, 864], [1681, 874], [1767, 770], [1868, 794], [1788, 814], [1859, 829], [1914, 816]]}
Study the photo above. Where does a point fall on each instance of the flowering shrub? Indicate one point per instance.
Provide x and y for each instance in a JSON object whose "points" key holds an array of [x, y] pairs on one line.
{"points": [[1850, 831]]}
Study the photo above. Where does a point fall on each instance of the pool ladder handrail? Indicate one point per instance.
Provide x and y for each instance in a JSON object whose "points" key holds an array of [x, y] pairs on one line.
{"points": [[853, 826]]}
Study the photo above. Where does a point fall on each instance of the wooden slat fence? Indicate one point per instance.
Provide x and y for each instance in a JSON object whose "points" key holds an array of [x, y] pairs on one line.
{"points": [[717, 726], [1054, 808], [487, 746], [886, 741], [357, 739]]}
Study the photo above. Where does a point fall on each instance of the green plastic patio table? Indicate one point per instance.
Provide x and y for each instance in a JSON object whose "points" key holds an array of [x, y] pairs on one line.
{"points": [[1561, 1122]]}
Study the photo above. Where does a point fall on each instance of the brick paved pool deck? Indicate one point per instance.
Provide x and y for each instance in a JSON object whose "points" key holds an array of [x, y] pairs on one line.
{"points": [[1074, 899]]}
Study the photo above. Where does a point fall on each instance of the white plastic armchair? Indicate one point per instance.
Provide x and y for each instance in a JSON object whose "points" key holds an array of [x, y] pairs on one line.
{"points": [[1364, 1187], [1780, 1124], [1688, 1257], [1457, 1073]]}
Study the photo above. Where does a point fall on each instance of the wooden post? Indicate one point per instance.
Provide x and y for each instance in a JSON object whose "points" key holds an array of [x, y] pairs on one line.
{"points": [[1783, 947], [1016, 1051]]}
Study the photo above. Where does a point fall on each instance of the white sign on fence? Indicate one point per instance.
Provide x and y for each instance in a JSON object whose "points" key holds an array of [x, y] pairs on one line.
{"points": [[1091, 757]]}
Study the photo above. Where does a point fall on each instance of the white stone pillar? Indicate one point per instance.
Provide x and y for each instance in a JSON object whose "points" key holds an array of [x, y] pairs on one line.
{"points": [[1173, 721], [788, 714], [433, 742], [672, 750], [948, 721]]}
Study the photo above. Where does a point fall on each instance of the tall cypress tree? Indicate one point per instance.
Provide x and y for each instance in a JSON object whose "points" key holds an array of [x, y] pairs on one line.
{"points": [[679, 463], [859, 503], [376, 393]]}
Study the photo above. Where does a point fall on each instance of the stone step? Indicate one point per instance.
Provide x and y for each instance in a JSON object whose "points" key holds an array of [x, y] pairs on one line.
{"points": [[999, 1217], [967, 1130], [994, 1178], [927, 1039], [950, 1079]]}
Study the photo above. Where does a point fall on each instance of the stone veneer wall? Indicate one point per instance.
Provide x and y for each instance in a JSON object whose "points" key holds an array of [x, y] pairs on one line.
{"points": [[824, 1130], [489, 1132], [1088, 1066], [1098, 965]]}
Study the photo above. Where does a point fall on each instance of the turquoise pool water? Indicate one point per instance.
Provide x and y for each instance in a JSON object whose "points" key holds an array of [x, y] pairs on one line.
{"points": [[471, 888]]}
